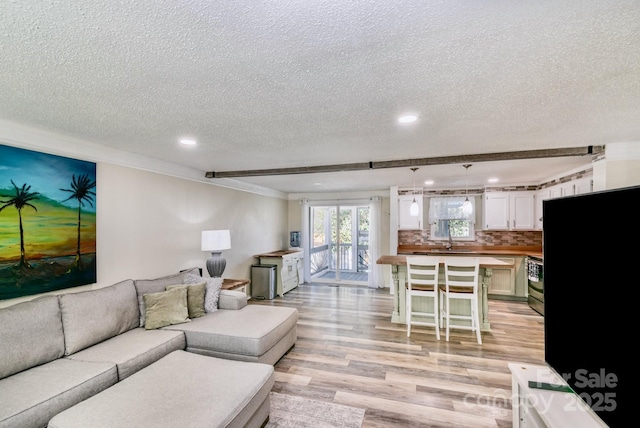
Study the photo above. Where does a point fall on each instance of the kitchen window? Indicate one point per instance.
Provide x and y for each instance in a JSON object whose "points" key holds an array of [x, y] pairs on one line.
{"points": [[446, 218]]}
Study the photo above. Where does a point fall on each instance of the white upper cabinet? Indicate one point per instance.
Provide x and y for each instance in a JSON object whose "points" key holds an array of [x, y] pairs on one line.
{"points": [[584, 185], [406, 220], [568, 189], [575, 187], [496, 211], [522, 210], [509, 211], [541, 196], [555, 192]]}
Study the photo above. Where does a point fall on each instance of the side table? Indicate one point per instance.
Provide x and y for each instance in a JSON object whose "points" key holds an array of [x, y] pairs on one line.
{"points": [[236, 285]]}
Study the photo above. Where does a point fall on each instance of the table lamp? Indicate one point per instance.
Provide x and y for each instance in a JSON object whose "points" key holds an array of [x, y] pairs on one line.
{"points": [[216, 241]]}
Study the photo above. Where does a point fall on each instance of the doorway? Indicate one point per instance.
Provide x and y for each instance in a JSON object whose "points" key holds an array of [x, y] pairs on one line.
{"points": [[339, 244]]}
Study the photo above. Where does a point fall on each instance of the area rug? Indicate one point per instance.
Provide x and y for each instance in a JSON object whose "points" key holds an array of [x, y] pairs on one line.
{"points": [[294, 412]]}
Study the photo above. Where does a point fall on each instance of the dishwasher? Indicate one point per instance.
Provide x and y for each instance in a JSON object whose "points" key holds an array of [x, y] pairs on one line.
{"points": [[535, 276]]}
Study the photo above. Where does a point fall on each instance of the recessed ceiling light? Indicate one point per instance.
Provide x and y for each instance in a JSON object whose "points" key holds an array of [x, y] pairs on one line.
{"points": [[407, 118], [429, 182], [187, 142], [492, 180]]}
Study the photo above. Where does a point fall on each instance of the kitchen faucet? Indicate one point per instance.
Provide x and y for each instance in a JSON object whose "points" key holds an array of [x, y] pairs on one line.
{"points": [[449, 244]]}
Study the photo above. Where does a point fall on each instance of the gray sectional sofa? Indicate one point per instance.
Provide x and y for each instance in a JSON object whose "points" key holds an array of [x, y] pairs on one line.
{"points": [[89, 348]]}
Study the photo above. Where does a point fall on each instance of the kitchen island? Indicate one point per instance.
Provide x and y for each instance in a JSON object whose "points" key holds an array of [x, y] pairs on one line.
{"points": [[507, 283], [399, 274]]}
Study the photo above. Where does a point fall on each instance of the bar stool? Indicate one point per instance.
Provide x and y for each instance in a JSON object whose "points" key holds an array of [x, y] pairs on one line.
{"points": [[422, 281], [461, 283]]}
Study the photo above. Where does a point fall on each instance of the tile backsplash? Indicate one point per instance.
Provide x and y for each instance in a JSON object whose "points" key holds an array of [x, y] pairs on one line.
{"points": [[483, 237]]}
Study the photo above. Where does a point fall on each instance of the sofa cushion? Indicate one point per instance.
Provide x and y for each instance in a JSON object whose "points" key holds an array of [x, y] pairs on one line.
{"points": [[89, 317], [133, 350], [213, 286], [252, 330], [144, 286], [185, 389], [166, 308], [195, 298], [30, 334], [44, 391]]}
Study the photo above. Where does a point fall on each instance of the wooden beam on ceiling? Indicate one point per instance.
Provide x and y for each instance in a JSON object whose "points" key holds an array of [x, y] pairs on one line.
{"points": [[442, 160], [288, 171]]}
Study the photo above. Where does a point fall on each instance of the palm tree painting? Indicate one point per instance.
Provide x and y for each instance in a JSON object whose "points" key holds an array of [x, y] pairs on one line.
{"points": [[80, 190], [47, 222], [20, 200]]}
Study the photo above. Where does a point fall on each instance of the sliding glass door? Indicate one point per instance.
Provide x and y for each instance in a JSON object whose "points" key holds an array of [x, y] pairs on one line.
{"points": [[339, 238]]}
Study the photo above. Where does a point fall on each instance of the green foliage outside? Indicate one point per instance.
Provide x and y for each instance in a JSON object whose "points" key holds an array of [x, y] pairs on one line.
{"points": [[323, 214]]}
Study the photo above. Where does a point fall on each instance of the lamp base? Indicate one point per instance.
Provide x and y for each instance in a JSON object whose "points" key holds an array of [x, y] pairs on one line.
{"points": [[216, 264]]}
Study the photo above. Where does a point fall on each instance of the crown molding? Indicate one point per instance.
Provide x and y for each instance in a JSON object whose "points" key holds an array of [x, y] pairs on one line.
{"points": [[26, 137]]}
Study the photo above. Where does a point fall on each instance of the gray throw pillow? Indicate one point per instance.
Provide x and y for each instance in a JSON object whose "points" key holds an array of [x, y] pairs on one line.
{"points": [[166, 308], [212, 293], [195, 298]]}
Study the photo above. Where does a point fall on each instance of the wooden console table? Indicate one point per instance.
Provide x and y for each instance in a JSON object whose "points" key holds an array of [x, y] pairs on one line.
{"points": [[288, 268]]}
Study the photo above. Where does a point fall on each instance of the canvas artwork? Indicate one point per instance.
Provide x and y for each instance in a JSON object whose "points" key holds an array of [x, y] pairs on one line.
{"points": [[47, 222]]}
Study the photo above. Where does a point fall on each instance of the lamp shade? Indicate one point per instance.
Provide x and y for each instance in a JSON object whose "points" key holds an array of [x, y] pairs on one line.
{"points": [[216, 240], [414, 209], [467, 207]]}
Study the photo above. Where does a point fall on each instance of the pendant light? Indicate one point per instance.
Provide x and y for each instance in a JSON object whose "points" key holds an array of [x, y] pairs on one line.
{"points": [[467, 207], [414, 209]]}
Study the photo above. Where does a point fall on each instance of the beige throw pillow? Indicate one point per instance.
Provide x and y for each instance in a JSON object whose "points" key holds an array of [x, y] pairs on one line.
{"points": [[165, 308], [195, 298]]}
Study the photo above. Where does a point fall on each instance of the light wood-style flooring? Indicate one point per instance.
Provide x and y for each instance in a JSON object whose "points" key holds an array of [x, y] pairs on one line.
{"points": [[349, 352]]}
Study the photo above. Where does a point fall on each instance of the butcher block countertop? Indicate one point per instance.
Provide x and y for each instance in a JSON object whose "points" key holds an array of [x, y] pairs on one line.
{"points": [[401, 260], [533, 251], [278, 253]]}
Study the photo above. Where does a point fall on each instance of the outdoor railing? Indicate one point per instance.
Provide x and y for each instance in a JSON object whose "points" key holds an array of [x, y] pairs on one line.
{"points": [[324, 258]]}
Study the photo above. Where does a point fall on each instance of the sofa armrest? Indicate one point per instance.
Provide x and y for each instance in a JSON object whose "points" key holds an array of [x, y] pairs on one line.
{"points": [[230, 299]]}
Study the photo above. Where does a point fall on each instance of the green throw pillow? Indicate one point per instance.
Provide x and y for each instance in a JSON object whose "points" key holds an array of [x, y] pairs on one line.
{"points": [[195, 297], [165, 308]]}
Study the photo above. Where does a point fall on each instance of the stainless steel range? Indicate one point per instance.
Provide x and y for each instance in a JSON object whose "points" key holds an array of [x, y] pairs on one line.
{"points": [[535, 274]]}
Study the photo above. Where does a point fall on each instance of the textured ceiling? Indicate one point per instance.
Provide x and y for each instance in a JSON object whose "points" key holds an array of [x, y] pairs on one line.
{"points": [[304, 83]]}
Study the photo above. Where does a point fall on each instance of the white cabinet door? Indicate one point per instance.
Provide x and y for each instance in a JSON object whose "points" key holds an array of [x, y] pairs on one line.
{"points": [[541, 196], [555, 191], [496, 211], [584, 185], [522, 211], [509, 211], [406, 220], [568, 189]]}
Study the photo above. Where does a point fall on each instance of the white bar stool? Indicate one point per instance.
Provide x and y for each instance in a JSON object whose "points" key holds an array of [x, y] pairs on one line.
{"points": [[422, 281], [461, 283]]}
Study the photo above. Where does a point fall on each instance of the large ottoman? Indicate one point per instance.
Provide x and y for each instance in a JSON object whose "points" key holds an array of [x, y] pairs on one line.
{"points": [[255, 333], [182, 390]]}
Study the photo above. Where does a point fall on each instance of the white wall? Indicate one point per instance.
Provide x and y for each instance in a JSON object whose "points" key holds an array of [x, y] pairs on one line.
{"points": [[619, 168], [149, 224]]}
